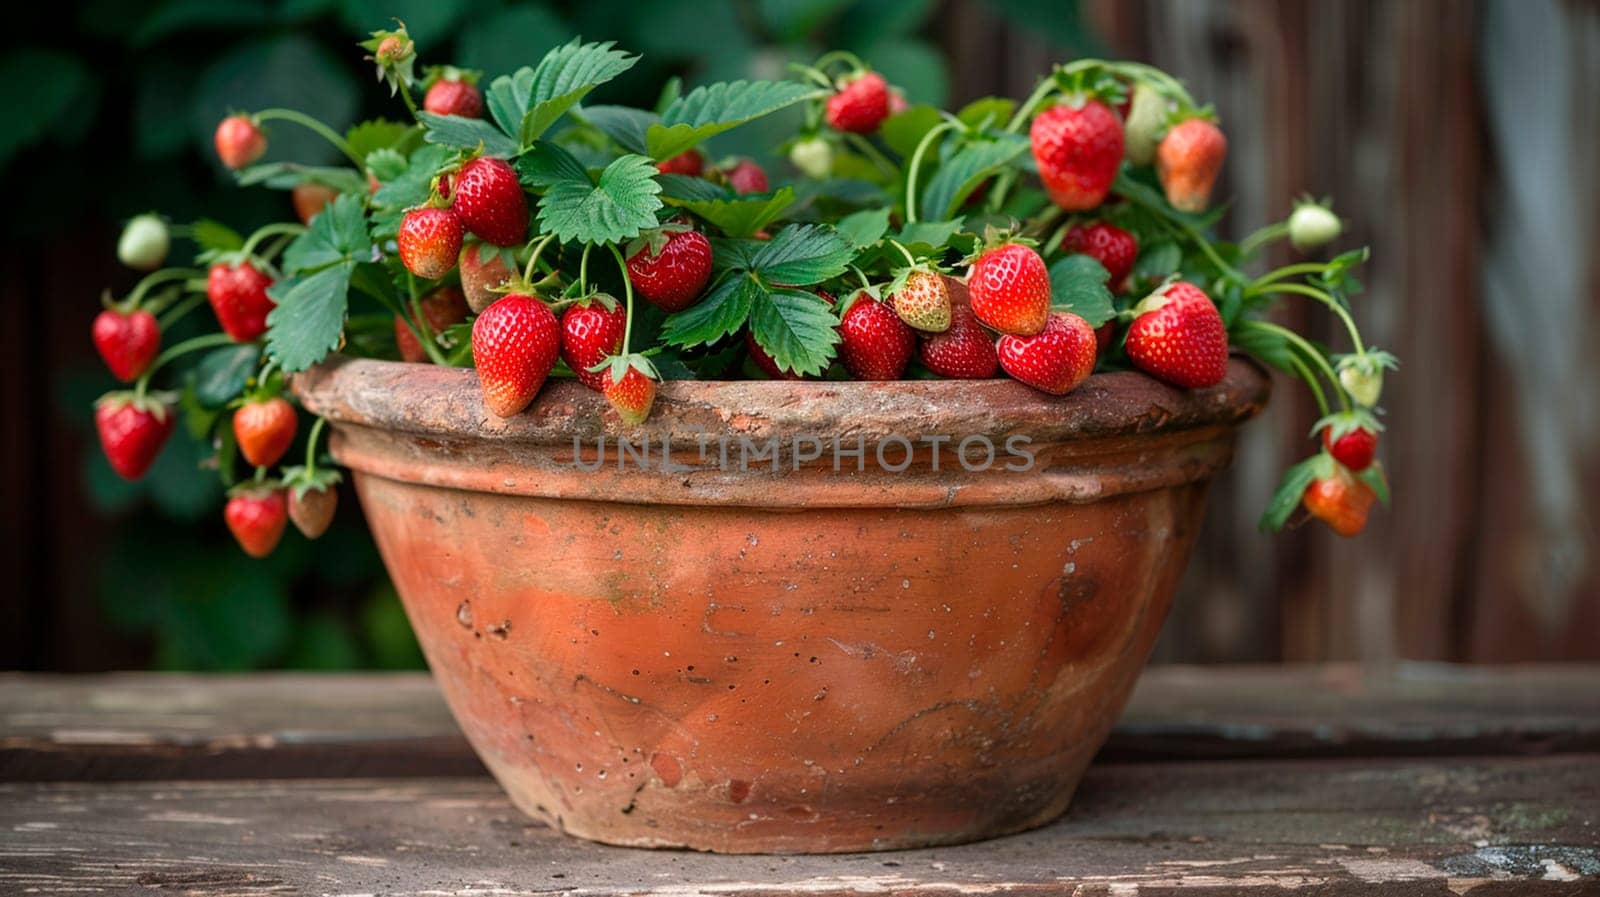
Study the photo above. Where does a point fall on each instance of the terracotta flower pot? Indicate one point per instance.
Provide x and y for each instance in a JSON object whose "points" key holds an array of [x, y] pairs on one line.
{"points": [[789, 660]]}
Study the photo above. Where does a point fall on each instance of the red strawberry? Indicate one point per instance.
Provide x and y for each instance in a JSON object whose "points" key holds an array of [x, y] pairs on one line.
{"points": [[479, 277], [1114, 248], [256, 515], [923, 302], [1179, 337], [312, 509], [673, 277], [591, 333], [127, 342], [1353, 447], [1079, 149], [964, 352], [132, 431], [239, 141], [860, 105], [747, 177], [632, 396], [429, 241], [1341, 501], [449, 96], [309, 197], [441, 307], [765, 361], [489, 201], [238, 296], [875, 344], [1188, 161], [688, 162], [264, 430], [1056, 360], [1010, 289], [514, 345]]}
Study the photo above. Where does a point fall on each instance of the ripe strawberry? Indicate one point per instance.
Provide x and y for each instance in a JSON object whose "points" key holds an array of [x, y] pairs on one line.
{"points": [[1056, 360], [489, 201], [632, 396], [312, 509], [1188, 161], [1341, 501], [127, 342], [860, 105], [429, 241], [688, 162], [1010, 289], [923, 302], [480, 277], [1079, 149], [591, 333], [309, 197], [441, 307], [1179, 337], [451, 96], [673, 275], [1114, 248], [132, 431], [964, 352], [238, 295], [514, 345], [875, 344], [766, 362], [239, 141], [256, 515], [1354, 447], [747, 177], [264, 430]]}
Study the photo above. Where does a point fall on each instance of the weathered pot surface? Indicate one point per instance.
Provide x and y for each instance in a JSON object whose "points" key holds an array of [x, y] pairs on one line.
{"points": [[798, 659]]}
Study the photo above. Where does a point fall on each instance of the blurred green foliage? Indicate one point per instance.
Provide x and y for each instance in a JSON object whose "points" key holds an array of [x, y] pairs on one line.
{"points": [[131, 90]]}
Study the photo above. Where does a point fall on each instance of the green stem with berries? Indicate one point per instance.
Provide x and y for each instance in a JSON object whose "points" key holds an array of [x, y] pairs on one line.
{"points": [[322, 130], [311, 444], [1299, 344], [627, 294], [915, 166], [175, 313], [1275, 231], [166, 275], [195, 344], [1300, 289]]}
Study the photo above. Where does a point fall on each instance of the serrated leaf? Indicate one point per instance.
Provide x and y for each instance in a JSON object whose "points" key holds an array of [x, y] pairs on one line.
{"points": [[964, 171], [508, 97], [564, 77], [223, 372], [723, 311], [692, 189], [546, 164], [386, 164], [1287, 497], [798, 329], [1078, 285], [379, 134], [406, 189], [712, 109], [214, 236], [864, 228], [309, 320], [929, 237], [617, 208], [902, 132], [801, 255], [338, 234], [288, 175], [1157, 261], [468, 134], [733, 254], [739, 216], [623, 124]]}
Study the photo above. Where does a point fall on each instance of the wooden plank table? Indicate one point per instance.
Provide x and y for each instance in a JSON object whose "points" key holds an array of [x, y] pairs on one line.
{"points": [[1414, 779]]}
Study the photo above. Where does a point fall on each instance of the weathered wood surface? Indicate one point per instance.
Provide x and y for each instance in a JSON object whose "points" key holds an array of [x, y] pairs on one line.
{"points": [[1523, 826], [153, 726]]}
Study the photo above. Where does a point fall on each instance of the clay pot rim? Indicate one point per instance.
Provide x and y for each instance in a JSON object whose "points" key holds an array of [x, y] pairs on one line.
{"points": [[426, 399]]}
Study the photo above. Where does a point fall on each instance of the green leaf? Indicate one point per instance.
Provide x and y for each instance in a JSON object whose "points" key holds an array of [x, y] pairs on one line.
{"points": [[309, 319], [1157, 261], [964, 171], [902, 132], [739, 216], [803, 254], [288, 175], [1374, 477], [929, 237], [733, 255], [508, 98], [691, 189], [622, 204], [469, 134], [546, 164], [625, 125], [222, 373], [796, 328], [996, 111], [1266, 347], [371, 136], [564, 77], [713, 109], [1078, 285], [1290, 489], [214, 236], [409, 188], [864, 228], [723, 311], [338, 234]]}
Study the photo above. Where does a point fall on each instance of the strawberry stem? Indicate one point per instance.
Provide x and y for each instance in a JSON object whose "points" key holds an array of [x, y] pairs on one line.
{"points": [[910, 259], [1275, 231], [583, 269], [1299, 344], [151, 281], [533, 261], [322, 130], [627, 293], [915, 166], [311, 444], [865, 147], [176, 312], [1300, 289], [281, 227], [419, 324], [189, 345]]}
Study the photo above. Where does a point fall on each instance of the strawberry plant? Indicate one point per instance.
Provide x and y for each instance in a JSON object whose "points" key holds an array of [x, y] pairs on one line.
{"points": [[507, 225]]}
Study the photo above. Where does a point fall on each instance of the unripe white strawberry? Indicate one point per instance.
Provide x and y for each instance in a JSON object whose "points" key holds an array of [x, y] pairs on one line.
{"points": [[1312, 225], [813, 156], [144, 243]]}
